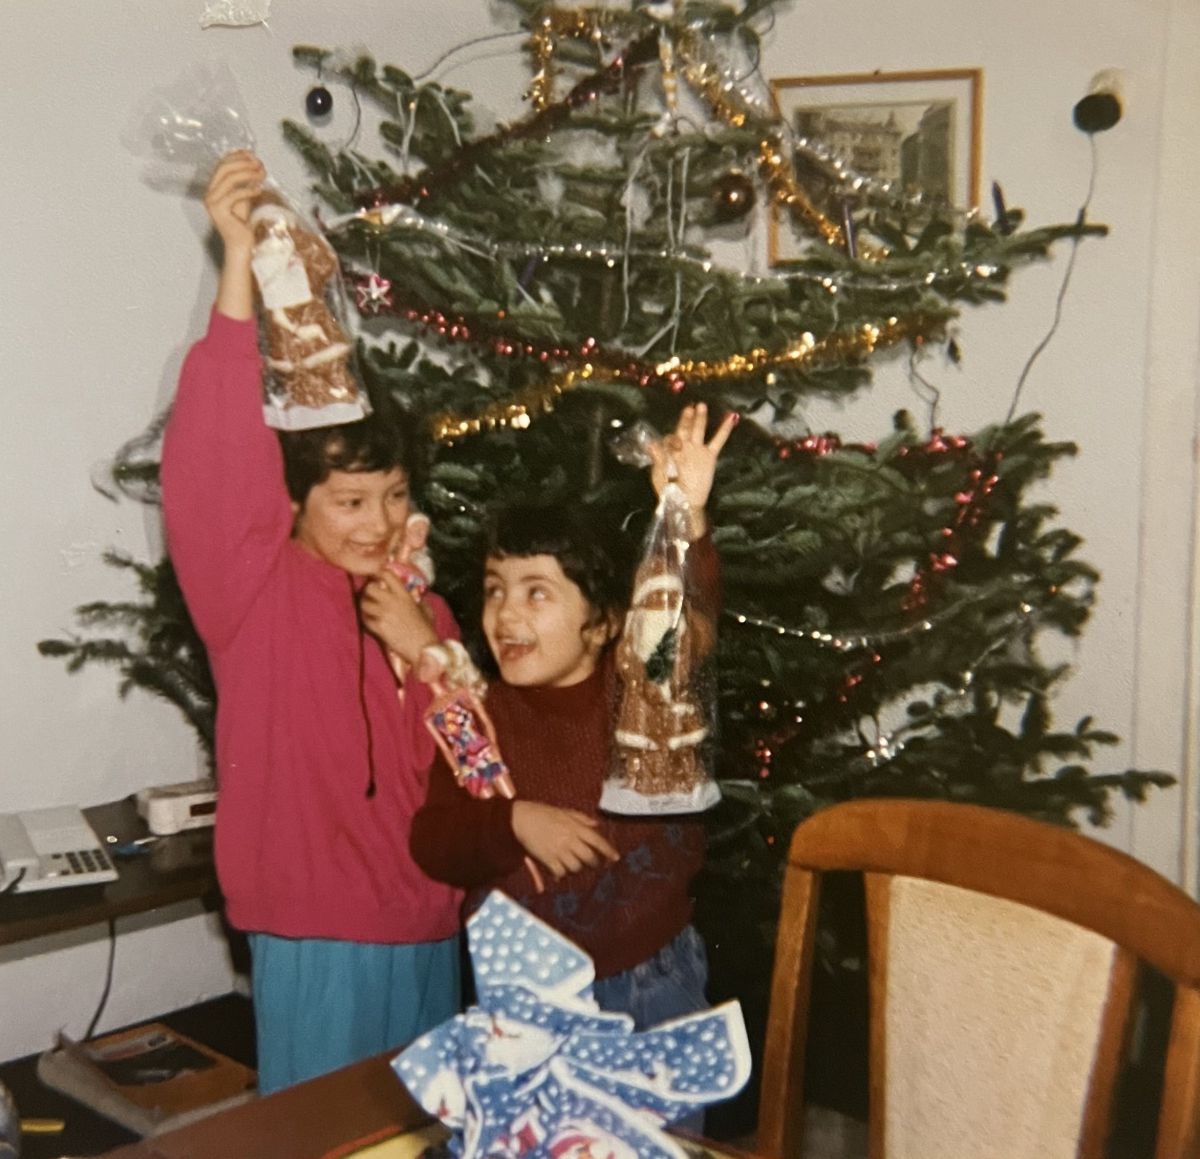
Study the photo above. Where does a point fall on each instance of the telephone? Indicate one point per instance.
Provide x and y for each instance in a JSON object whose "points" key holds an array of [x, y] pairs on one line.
{"points": [[50, 848]]}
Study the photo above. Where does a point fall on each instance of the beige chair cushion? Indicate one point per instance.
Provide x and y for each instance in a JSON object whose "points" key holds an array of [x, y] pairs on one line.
{"points": [[992, 1021]]}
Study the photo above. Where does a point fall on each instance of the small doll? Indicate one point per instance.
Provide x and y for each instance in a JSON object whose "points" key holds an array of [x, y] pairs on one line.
{"points": [[411, 561], [308, 353], [459, 722], [462, 728], [413, 565]]}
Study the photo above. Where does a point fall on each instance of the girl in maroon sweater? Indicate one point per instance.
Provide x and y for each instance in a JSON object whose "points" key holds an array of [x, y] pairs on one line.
{"points": [[618, 887]]}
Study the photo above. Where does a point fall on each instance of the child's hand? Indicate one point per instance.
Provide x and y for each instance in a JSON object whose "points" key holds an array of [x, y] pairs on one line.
{"points": [[237, 179], [685, 459], [563, 840], [390, 613], [231, 190]]}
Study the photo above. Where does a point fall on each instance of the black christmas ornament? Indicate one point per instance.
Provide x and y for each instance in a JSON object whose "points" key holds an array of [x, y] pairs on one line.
{"points": [[1101, 108], [319, 102], [732, 196]]}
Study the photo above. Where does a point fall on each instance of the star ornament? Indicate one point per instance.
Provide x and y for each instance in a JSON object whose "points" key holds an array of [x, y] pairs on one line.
{"points": [[537, 1070], [373, 294]]}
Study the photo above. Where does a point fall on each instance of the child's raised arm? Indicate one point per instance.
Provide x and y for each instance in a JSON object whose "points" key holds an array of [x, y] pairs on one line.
{"points": [[231, 190], [684, 458]]}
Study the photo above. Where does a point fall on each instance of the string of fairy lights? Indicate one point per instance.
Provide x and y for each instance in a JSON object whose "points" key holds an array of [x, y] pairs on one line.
{"points": [[406, 219]]}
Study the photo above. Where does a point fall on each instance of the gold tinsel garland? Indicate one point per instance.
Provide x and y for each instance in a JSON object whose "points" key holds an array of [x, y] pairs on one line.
{"points": [[519, 410], [777, 169], [548, 29], [706, 81], [840, 346]]}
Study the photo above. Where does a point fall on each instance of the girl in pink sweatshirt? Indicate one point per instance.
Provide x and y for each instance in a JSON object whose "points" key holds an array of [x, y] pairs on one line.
{"points": [[279, 545]]}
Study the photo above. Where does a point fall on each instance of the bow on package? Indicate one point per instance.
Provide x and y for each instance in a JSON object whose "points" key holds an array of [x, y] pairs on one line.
{"points": [[537, 1070]]}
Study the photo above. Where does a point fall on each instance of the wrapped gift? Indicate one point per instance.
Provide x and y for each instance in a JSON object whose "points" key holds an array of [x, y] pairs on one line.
{"points": [[537, 1070]]}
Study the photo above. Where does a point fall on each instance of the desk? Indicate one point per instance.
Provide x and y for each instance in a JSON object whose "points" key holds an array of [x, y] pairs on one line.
{"points": [[177, 868], [307, 1121]]}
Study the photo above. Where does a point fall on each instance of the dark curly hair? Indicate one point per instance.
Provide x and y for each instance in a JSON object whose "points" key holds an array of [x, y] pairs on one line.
{"points": [[593, 556], [379, 442]]}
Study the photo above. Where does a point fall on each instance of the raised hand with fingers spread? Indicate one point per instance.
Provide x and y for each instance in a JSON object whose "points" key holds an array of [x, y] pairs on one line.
{"points": [[686, 459]]}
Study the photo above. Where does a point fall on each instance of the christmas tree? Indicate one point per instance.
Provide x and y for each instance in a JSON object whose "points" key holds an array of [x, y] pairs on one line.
{"points": [[531, 290], [534, 289]]}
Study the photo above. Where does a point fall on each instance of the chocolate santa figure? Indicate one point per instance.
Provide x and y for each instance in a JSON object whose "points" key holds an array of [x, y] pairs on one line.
{"points": [[308, 354], [662, 721]]}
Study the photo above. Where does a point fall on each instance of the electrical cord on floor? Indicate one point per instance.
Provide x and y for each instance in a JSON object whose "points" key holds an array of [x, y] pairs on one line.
{"points": [[108, 979]]}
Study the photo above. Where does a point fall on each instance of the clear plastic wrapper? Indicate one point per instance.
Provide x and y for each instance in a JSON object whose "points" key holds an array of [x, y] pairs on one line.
{"points": [[310, 377], [662, 739], [235, 15]]}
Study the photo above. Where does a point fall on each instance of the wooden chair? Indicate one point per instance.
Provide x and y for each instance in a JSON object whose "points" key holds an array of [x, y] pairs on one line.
{"points": [[1003, 953]]}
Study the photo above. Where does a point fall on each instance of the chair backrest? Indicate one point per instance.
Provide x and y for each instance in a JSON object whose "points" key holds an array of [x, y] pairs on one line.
{"points": [[1003, 953]]}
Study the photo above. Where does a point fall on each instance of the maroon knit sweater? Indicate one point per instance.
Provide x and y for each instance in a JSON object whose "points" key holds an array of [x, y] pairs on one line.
{"points": [[556, 743]]}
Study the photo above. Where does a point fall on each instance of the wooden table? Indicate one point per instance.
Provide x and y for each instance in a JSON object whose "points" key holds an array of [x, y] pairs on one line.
{"points": [[176, 868], [308, 1121], [303, 1122]]}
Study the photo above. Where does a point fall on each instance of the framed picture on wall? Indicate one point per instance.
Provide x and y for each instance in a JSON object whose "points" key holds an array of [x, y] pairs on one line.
{"points": [[921, 131]]}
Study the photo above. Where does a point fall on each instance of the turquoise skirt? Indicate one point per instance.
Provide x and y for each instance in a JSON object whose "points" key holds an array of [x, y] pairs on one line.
{"points": [[321, 1004]]}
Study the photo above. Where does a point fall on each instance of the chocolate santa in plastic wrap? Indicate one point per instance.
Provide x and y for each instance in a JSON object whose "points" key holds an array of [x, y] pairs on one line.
{"points": [[308, 354], [185, 128], [660, 761]]}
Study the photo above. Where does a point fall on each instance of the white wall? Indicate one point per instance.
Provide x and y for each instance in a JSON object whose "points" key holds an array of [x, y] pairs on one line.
{"points": [[106, 282]]}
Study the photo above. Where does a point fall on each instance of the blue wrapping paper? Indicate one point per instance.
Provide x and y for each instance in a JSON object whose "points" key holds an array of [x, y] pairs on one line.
{"points": [[536, 1069]]}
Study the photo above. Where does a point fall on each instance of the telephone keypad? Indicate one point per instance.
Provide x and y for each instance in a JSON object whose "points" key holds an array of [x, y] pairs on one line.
{"points": [[79, 861]]}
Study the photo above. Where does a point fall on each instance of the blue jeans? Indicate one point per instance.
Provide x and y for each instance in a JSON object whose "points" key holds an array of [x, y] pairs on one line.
{"points": [[668, 985]]}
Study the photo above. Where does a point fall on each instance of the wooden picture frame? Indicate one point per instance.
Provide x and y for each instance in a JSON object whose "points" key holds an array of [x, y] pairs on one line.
{"points": [[920, 130]]}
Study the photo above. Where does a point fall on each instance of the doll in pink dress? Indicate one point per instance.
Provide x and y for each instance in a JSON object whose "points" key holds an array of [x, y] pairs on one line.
{"points": [[462, 728], [459, 722]]}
